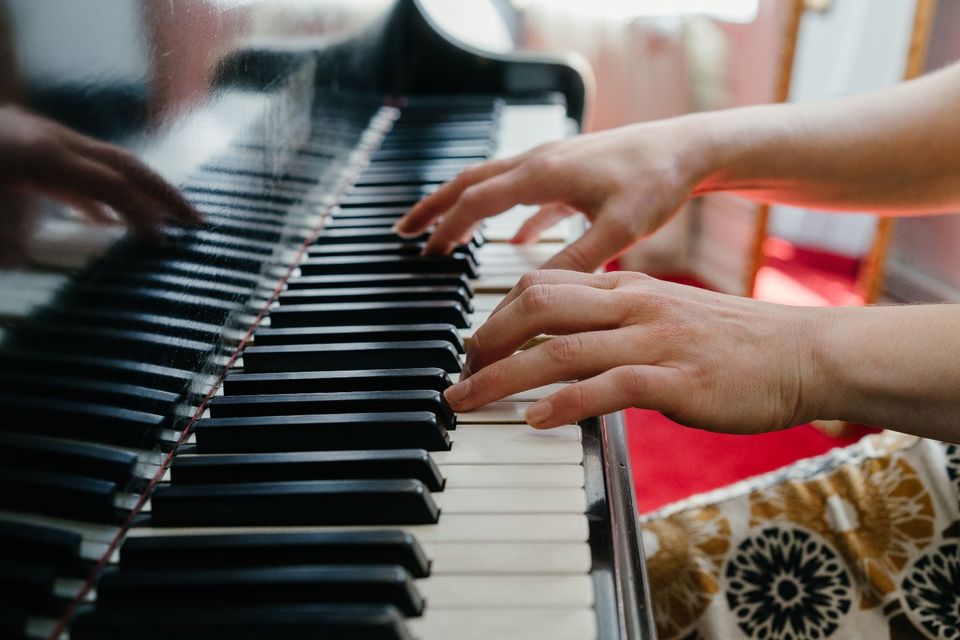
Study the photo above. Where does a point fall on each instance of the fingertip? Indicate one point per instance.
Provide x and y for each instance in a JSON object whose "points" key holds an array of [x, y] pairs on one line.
{"points": [[538, 414]]}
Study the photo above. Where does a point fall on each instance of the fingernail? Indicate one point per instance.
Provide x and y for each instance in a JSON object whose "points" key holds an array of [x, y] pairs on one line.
{"points": [[538, 413], [457, 393]]}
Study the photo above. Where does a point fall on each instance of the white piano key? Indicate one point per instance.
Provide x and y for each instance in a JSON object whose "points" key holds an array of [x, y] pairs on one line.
{"points": [[537, 393], [453, 527], [512, 444], [506, 624], [500, 500], [465, 476], [508, 558], [501, 412], [486, 301], [508, 592]]}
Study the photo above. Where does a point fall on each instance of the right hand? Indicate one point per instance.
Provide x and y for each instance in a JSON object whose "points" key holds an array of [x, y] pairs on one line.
{"points": [[628, 182]]}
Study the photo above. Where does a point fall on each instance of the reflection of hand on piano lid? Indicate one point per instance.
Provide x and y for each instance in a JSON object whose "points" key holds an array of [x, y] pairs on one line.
{"points": [[38, 156], [628, 182]]}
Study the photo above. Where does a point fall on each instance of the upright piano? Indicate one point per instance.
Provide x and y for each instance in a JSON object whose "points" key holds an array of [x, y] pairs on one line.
{"points": [[239, 431]]}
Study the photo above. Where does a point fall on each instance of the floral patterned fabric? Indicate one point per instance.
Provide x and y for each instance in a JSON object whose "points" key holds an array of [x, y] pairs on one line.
{"points": [[863, 542]]}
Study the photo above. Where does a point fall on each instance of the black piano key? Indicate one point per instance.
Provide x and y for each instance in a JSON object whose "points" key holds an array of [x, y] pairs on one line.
{"points": [[376, 179], [384, 223], [32, 542], [401, 312], [300, 404], [136, 321], [373, 200], [270, 434], [152, 299], [174, 282], [353, 236], [192, 266], [302, 503], [78, 420], [347, 355], [356, 622], [353, 212], [275, 549], [181, 353], [66, 456], [29, 585], [13, 622], [339, 265], [376, 294], [239, 193], [211, 238], [252, 586], [438, 164], [58, 494], [79, 389], [361, 280], [375, 250], [269, 336], [103, 368], [477, 153], [308, 465], [335, 381], [240, 213]]}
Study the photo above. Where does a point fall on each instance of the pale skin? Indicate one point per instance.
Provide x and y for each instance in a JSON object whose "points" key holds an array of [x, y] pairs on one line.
{"points": [[39, 157], [708, 360]]}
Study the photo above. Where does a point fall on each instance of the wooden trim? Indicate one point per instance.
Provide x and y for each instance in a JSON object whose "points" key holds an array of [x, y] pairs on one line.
{"points": [[788, 50], [872, 274]]}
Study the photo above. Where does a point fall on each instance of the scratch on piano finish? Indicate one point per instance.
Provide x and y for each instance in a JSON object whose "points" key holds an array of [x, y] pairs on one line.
{"points": [[240, 431]]}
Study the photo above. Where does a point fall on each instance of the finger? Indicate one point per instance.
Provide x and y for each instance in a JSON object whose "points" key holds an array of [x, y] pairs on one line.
{"points": [[643, 386], [490, 197], [16, 224], [553, 277], [548, 215], [573, 357], [93, 211], [550, 310], [606, 239], [91, 180], [139, 174], [425, 212]]}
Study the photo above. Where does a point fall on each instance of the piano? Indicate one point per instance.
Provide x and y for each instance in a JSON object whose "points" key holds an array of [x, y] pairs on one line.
{"points": [[240, 431]]}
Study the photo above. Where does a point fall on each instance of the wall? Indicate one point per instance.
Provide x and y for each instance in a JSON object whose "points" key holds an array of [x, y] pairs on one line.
{"points": [[923, 264]]}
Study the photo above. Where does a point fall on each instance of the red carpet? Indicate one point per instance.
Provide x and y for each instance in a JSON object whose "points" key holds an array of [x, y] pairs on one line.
{"points": [[671, 462]]}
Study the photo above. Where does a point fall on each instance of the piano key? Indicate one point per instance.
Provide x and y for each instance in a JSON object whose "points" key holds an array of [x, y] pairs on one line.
{"points": [[253, 586], [308, 465], [388, 502], [392, 547], [106, 368], [270, 336], [454, 263], [31, 542], [335, 381], [357, 622], [399, 312], [136, 321], [76, 458], [510, 500], [501, 412], [191, 266], [173, 282], [506, 624], [347, 355], [335, 235], [238, 406], [374, 250], [58, 494], [395, 430], [128, 396], [508, 558], [508, 592], [376, 294], [344, 214], [512, 444], [29, 585], [470, 476], [451, 528], [439, 279], [99, 423]]}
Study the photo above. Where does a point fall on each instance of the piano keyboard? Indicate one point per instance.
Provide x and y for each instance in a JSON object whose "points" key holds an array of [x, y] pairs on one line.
{"points": [[326, 486]]}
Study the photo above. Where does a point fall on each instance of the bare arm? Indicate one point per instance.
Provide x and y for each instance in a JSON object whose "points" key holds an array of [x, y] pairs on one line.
{"points": [[894, 151]]}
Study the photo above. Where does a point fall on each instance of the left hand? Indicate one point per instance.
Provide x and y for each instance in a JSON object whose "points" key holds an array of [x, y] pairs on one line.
{"points": [[707, 360]]}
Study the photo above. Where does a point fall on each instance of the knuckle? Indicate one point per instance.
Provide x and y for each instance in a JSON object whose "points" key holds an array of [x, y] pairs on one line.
{"points": [[471, 197], [631, 381], [529, 279], [536, 299], [565, 349]]}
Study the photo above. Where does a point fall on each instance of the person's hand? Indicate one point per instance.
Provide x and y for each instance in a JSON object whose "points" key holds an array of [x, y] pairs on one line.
{"points": [[41, 157], [705, 359], [627, 181]]}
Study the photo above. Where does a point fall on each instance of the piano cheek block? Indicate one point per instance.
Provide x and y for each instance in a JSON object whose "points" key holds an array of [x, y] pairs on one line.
{"points": [[322, 502]]}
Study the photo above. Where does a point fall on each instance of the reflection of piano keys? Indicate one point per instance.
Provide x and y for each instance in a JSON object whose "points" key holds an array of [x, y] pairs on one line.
{"points": [[298, 512]]}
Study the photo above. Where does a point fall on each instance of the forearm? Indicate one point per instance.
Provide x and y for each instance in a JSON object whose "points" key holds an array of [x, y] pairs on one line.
{"points": [[893, 150], [896, 367]]}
